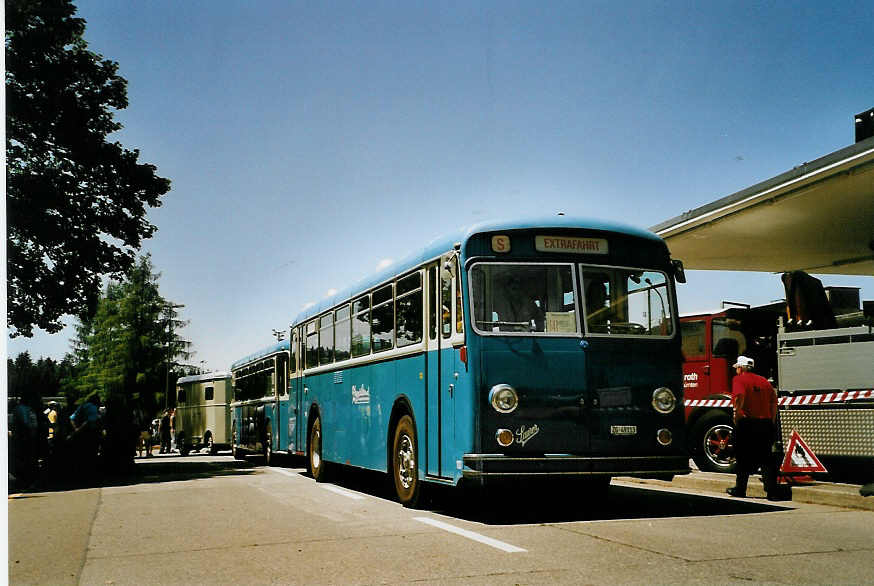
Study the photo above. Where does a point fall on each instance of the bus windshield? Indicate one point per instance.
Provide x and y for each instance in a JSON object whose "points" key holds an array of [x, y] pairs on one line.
{"points": [[531, 298], [540, 298], [621, 301]]}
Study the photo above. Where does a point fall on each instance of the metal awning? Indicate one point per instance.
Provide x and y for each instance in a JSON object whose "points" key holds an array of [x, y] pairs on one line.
{"points": [[818, 217]]}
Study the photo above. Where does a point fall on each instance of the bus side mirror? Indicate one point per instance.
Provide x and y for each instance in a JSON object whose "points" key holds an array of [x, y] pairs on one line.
{"points": [[679, 272]]}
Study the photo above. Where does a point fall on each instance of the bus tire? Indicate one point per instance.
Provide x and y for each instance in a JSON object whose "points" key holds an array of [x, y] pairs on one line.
{"points": [[235, 451], [315, 463], [404, 460], [268, 445], [182, 443], [713, 443]]}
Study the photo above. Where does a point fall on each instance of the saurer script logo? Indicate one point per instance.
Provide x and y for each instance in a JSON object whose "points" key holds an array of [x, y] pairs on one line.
{"points": [[524, 434]]}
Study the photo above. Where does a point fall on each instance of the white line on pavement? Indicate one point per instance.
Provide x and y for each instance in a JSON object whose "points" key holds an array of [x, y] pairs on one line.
{"points": [[342, 492], [470, 535]]}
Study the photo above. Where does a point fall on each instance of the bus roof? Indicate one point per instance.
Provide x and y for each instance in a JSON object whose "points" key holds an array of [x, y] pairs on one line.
{"points": [[281, 346], [460, 236], [204, 377]]}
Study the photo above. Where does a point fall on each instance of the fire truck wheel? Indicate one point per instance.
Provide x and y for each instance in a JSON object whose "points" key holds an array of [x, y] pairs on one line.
{"points": [[713, 443]]}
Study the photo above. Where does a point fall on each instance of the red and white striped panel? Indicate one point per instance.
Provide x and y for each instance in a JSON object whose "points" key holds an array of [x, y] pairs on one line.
{"points": [[838, 397]]}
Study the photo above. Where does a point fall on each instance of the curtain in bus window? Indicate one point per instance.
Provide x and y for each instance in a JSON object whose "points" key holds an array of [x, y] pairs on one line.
{"points": [[383, 320], [361, 327], [524, 298], [342, 334], [409, 310]]}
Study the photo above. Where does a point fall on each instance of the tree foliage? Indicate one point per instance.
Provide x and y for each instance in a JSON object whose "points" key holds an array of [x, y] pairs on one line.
{"points": [[128, 344], [44, 377], [76, 203]]}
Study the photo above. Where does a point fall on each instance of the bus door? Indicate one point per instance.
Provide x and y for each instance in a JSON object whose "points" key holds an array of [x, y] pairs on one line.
{"points": [[295, 392], [432, 427], [440, 367]]}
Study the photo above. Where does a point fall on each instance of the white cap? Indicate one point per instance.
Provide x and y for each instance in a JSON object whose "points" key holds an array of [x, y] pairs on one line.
{"points": [[744, 361]]}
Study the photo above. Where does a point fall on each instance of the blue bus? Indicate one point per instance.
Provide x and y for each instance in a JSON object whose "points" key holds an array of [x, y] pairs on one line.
{"points": [[260, 411], [509, 349]]}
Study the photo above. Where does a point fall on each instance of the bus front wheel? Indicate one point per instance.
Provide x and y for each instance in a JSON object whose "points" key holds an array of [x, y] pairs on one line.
{"points": [[405, 469], [314, 455]]}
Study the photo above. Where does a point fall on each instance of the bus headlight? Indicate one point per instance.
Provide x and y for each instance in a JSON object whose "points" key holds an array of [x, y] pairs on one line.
{"points": [[503, 398], [663, 400]]}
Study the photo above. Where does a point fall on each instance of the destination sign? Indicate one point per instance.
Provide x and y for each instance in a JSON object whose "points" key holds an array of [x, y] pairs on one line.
{"points": [[570, 244]]}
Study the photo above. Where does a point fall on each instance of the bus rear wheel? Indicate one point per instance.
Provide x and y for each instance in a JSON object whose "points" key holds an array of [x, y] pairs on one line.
{"points": [[404, 468], [268, 445], [314, 452], [235, 451]]}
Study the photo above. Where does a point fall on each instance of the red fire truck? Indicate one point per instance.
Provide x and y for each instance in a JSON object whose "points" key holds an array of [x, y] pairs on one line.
{"points": [[824, 375]]}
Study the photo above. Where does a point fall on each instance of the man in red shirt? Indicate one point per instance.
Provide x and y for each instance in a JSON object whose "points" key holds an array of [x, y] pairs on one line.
{"points": [[755, 417]]}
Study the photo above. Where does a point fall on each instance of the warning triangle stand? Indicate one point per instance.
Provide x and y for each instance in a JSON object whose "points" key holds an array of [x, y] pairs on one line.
{"points": [[800, 459]]}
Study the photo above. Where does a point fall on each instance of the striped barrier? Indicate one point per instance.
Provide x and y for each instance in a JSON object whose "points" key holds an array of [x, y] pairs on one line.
{"points": [[836, 397]]}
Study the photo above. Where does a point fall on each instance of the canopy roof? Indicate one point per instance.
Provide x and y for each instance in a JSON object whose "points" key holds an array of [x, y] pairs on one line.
{"points": [[818, 217]]}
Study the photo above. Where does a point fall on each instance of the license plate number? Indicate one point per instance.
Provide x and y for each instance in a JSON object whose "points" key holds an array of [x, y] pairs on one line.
{"points": [[623, 430]]}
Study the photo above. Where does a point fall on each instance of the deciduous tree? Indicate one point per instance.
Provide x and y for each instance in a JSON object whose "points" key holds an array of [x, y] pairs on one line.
{"points": [[76, 202]]}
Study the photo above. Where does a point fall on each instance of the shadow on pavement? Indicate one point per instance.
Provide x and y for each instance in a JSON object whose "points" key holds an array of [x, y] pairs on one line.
{"points": [[150, 470], [522, 503]]}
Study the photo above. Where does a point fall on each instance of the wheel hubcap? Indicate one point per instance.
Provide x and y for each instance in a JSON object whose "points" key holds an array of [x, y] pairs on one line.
{"points": [[718, 446], [406, 462], [316, 457]]}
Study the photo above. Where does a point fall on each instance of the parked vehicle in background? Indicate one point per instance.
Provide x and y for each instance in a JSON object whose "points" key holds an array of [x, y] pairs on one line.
{"points": [[203, 417], [818, 351], [261, 422]]}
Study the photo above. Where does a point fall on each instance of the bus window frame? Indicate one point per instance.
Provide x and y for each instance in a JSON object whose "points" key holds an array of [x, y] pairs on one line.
{"points": [[669, 291], [472, 263]]}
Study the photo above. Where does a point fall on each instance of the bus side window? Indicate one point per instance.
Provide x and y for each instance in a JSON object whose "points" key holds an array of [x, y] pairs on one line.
{"points": [[459, 316], [292, 363], [282, 374], [446, 306], [326, 339], [361, 327], [208, 393], [383, 319], [432, 303], [181, 397], [409, 310], [342, 334], [312, 345]]}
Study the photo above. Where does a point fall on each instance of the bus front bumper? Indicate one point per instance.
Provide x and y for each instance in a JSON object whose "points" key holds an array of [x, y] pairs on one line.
{"points": [[500, 465]]}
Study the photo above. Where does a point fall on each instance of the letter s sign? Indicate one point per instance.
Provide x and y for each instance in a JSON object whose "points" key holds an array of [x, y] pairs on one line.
{"points": [[501, 244]]}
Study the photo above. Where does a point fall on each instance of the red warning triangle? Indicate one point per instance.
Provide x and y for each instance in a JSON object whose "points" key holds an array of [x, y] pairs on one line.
{"points": [[799, 458]]}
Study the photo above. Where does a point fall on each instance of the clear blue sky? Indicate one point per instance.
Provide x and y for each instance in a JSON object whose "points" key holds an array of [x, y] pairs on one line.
{"points": [[307, 141]]}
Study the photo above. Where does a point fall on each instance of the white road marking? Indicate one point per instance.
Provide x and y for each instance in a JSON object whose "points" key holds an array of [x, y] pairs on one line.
{"points": [[470, 535], [342, 492]]}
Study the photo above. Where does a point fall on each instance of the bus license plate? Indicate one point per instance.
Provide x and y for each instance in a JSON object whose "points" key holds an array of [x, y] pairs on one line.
{"points": [[623, 430]]}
